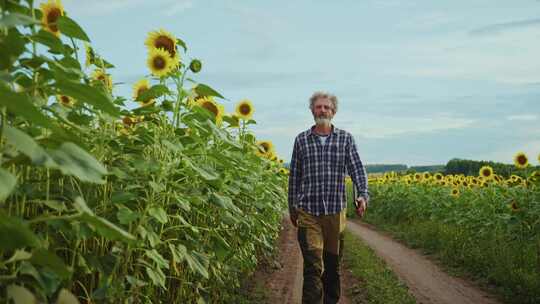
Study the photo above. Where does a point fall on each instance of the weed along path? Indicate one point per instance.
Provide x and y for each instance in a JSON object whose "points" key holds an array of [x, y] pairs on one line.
{"points": [[425, 280]]}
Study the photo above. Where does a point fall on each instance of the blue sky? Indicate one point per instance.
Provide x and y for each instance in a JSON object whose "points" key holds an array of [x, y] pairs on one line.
{"points": [[418, 82]]}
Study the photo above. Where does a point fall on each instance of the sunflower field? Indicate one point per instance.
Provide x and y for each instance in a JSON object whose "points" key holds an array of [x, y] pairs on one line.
{"points": [[486, 225], [169, 201]]}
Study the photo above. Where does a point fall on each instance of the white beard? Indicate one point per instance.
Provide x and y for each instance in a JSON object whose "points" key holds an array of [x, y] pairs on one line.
{"points": [[323, 121]]}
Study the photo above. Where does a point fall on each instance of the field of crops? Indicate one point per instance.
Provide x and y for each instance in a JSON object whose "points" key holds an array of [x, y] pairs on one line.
{"points": [[486, 225], [159, 197]]}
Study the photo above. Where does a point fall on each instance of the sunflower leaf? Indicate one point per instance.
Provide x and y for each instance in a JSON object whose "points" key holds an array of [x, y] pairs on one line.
{"points": [[204, 90], [7, 184], [88, 94], [15, 19], [71, 29], [154, 92]]}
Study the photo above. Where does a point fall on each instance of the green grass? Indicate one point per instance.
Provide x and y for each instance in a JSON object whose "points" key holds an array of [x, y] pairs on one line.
{"points": [[376, 281]]}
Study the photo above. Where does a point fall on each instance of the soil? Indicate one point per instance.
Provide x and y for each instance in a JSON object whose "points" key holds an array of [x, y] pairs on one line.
{"points": [[426, 281]]}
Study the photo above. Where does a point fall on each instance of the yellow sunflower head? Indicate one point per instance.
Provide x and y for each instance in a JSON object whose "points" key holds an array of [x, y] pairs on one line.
{"points": [[438, 176], [140, 87], [265, 148], [283, 171], [99, 75], [417, 176], [65, 100], [455, 192], [486, 172], [520, 160], [213, 107], [244, 109], [52, 10], [159, 62], [161, 39]]}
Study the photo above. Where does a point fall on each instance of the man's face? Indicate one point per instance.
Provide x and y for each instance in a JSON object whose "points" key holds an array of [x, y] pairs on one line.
{"points": [[323, 111]]}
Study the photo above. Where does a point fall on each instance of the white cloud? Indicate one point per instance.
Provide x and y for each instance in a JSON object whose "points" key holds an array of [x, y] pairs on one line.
{"points": [[376, 127], [178, 7], [523, 117]]}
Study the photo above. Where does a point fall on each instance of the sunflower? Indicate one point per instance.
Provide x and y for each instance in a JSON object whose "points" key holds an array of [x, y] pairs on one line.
{"points": [[265, 148], [426, 175], [244, 109], [90, 55], [486, 172], [283, 171], [213, 107], [455, 192], [52, 10], [161, 39], [100, 76], [281, 161], [140, 87], [159, 62], [65, 100], [129, 121], [438, 176], [418, 176], [520, 160]]}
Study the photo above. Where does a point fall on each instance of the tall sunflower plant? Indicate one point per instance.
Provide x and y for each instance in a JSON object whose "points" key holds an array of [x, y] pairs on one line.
{"points": [[105, 204]]}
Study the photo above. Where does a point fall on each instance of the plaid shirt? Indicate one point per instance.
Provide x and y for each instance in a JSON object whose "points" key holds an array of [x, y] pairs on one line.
{"points": [[317, 172]]}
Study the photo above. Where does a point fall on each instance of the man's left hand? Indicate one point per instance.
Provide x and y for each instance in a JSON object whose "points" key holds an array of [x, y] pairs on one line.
{"points": [[361, 206]]}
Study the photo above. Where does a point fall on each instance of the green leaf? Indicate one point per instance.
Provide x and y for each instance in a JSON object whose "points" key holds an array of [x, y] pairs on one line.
{"points": [[107, 229], [126, 215], [20, 295], [73, 160], [156, 275], [224, 202], [204, 90], [157, 258], [177, 147], [16, 19], [71, 29], [153, 92], [44, 258], [159, 214], [86, 93], [7, 184], [206, 173], [198, 263], [50, 40], [21, 104], [19, 255], [15, 234], [102, 226], [222, 135], [181, 43], [66, 297], [28, 146], [11, 47], [120, 197]]}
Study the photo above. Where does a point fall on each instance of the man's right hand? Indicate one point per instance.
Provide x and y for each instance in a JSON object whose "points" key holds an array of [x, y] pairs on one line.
{"points": [[294, 218]]}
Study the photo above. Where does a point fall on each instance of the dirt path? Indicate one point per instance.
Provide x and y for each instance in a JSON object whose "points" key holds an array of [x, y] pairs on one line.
{"points": [[426, 281], [284, 285]]}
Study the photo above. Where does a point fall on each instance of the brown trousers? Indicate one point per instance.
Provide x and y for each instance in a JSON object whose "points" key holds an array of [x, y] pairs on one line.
{"points": [[321, 241]]}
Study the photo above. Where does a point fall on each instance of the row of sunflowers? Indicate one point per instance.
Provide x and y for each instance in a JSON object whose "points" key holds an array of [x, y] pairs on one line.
{"points": [[487, 225], [159, 197]]}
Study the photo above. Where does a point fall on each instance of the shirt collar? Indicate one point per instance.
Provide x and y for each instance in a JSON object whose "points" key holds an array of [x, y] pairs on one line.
{"points": [[310, 131]]}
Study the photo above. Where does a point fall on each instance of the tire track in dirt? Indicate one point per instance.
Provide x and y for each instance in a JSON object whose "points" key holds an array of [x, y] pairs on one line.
{"points": [[426, 281]]}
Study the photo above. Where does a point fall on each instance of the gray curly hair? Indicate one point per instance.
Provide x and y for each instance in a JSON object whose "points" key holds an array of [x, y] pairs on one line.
{"points": [[320, 94]]}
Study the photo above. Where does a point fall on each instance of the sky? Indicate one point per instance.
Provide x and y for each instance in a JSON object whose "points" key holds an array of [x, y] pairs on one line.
{"points": [[419, 82]]}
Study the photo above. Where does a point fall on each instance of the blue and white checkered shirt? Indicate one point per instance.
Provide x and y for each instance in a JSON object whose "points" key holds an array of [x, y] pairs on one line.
{"points": [[317, 172]]}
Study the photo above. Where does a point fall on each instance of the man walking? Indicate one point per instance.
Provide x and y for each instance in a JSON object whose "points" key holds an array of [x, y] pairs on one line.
{"points": [[321, 157]]}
